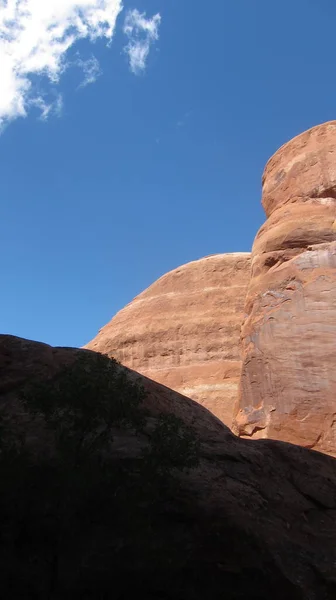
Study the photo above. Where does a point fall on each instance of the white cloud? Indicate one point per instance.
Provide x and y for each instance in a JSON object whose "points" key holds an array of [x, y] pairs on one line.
{"points": [[141, 33], [47, 107], [91, 70], [35, 36]]}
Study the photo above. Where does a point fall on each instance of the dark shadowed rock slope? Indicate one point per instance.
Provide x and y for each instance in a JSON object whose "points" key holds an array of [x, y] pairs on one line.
{"points": [[250, 519]]}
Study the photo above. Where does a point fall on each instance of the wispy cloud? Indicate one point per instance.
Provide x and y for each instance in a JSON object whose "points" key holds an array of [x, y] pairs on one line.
{"points": [[45, 107], [35, 36], [91, 70], [141, 33]]}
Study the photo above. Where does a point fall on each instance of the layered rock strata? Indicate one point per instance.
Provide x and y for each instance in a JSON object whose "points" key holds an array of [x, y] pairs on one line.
{"points": [[184, 331], [288, 384]]}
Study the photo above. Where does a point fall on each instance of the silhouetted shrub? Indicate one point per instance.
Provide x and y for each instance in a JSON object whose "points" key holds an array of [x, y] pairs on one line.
{"points": [[71, 508]]}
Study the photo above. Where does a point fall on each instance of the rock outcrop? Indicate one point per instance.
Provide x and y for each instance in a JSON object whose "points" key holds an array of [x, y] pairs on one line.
{"points": [[288, 385], [254, 520], [184, 331]]}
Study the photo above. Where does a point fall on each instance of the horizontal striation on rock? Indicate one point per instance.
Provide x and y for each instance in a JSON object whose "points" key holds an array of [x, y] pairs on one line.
{"points": [[184, 331], [288, 385]]}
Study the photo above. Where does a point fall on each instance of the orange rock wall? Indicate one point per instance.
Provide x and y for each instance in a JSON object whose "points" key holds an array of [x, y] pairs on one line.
{"points": [[184, 331], [288, 385]]}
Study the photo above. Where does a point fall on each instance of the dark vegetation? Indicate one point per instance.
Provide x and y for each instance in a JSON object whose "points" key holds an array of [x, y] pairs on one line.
{"points": [[76, 511]]}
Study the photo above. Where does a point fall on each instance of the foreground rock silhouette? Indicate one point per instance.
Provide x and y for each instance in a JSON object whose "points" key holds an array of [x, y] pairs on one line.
{"points": [[184, 331], [250, 520]]}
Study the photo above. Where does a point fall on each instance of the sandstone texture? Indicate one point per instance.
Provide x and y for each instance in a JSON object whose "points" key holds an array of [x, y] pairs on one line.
{"points": [[288, 385], [184, 331], [253, 520]]}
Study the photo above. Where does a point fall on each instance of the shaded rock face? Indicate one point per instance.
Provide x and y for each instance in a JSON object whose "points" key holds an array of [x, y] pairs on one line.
{"points": [[184, 331], [288, 384], [256, 519]]}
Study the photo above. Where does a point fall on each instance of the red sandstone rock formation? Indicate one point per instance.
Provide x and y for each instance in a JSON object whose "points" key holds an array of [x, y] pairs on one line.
{"points": [[288, 385], [184, 330]]}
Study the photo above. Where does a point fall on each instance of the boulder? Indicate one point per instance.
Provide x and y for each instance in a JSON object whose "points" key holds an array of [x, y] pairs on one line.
{"points": [[184, 331], [288, 383]]}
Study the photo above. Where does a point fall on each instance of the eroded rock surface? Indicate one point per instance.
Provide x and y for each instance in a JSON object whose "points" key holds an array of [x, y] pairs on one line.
{"points": [[288, 386], [255, 519], [184, 331]]}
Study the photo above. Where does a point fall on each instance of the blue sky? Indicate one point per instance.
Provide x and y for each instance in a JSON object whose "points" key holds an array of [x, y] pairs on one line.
{"points": [[138, 173]]}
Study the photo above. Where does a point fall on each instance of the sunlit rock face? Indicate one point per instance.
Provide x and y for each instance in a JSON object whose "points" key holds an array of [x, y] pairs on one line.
{"points": [[184, 331], [288, 384]]}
